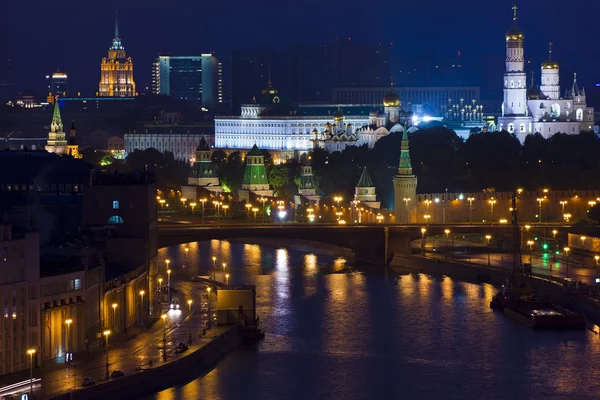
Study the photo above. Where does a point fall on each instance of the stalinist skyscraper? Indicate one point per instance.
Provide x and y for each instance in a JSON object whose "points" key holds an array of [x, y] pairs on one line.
{"points": [[116, 71]]}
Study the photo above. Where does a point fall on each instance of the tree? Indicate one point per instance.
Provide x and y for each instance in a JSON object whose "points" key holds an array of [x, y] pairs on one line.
{"points": [[281, 180]]}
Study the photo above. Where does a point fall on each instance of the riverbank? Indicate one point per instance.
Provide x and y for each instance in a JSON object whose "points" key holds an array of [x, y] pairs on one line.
{"points": [[302, 245], [198, 360]]}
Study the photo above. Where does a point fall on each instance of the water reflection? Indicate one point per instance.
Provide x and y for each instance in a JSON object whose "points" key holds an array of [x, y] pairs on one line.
{"points": [[336, 331]]}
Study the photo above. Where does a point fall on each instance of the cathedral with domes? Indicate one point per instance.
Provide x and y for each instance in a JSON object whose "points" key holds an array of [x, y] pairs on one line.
{"points": [[542, 108]]}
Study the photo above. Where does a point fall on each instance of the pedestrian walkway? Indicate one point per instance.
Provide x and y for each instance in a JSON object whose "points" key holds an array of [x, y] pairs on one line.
{"points": [[135, 351]]}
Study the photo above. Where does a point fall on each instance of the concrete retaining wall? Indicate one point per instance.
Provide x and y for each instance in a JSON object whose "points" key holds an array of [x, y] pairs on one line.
{"points": [[303, 245], [165, 376]]}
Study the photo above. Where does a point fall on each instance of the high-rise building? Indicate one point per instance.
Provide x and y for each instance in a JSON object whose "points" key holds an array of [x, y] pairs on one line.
{"points": [[116, 70], [194, 78], [58, 85], [7, 86]]}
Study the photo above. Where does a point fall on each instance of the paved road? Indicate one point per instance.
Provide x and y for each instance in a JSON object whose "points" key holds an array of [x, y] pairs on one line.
{"points": [[139, 348]]}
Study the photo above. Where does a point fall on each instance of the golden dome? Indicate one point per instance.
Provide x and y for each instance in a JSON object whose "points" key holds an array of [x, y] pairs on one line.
{"points": [[338, 116], [550, 64], [391, 99]]}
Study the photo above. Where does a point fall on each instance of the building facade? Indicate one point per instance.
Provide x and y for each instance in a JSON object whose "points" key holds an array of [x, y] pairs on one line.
{"points": [[194, 78], [272, 125], [541, 109], [116, 71]]}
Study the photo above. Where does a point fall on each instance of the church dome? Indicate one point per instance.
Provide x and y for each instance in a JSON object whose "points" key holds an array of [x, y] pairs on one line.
{"points": [[338, 116], [315, 132], [550, 64], [391, 99], [373, 113], [533, 93], [514, 33]]}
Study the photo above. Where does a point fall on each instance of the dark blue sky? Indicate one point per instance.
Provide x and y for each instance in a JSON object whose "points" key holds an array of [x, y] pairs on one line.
{"points": [[73, 35]]}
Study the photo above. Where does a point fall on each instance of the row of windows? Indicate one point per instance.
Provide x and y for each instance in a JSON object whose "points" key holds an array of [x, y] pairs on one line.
{"points": [[63, 188]]}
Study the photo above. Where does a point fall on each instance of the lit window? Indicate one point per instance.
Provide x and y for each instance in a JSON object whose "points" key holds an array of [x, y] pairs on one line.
{"points": [[115, 204]]}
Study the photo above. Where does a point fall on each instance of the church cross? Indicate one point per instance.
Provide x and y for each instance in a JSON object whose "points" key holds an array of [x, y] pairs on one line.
{"points": [[515, 8]]}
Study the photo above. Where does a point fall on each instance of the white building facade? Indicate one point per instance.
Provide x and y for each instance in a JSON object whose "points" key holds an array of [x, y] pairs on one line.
{"points": [[527, 110]]}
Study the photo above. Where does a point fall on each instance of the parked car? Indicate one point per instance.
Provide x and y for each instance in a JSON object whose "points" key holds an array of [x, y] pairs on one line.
{"points": [[181, 347], [88, 382], [117, 374]]}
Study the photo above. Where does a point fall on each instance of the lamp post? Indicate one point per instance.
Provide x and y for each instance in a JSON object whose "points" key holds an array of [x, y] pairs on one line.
{"points": [[190, 322], [447, 232], [68, 322], [492, 202], [337, 199], [189, 307], [427, 216], [566, 249], [423, 242], [186, 255], [470, 208], [254, 210], [106, 335], [142, 293], [183, 200], [406, 201], [488, 237], [527, 227], [202, 201], [193, 205], [162, 203], [160, 281], [169, 285], [208, 302], [563, 203], [249, 207], [227, 279], [164, 318], [583, 248], [31, 352], [554, 232], [539, 200], [224, 266], [263, 201], [114, 307], [214, 266], [530, 244], [225, 207]]}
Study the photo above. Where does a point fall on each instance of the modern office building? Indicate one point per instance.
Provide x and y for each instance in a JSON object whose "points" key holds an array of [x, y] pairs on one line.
{"points": [[193, 78], [58, 85], [116, 71], [419, 100]]}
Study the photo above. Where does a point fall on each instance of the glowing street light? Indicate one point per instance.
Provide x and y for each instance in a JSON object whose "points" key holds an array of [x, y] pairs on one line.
{"points": [[563, 203], [227, 279], [160, 281], [208, 301], [225, 207], [142, 293], [471, 199], [106, 334], [427, 216], [540, 200], [193, 205], [263, 200], [114, 307], [68, 322], [254, 210], [162, 203], [164, 318], [249, 207], [337, 199], [224, 266], [203, 201], [31, 352], [488, 237], [530, 244], [169, 285], [492, 202], [567, 217], [379, 218]]}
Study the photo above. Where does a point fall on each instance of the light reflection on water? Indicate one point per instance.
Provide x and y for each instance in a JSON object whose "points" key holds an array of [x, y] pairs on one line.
{"points": [[336, 334]]}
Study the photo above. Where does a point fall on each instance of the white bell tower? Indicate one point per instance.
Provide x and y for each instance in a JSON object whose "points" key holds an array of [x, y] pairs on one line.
{"points": [[515, 86]]}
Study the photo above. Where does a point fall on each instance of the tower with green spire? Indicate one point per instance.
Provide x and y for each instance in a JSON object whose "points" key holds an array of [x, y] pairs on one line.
{"points": [[405, 186], [57, 140], [307, 187], [365, 191], [255, 179]]}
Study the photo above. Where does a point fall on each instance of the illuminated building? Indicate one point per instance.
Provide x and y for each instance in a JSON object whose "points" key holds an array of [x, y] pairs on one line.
{"points": [[72, 146], [116, 71], [307, 187], [532, 109], [405, 186], [193, 78], [57, 141], [273, 125], [203, 171], [255, 179], [57, 85]]}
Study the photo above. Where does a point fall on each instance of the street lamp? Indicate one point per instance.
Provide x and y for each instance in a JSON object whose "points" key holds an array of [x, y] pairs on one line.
{"points": [[255, 210], [224, 266], [423, 230], [142, 293], [68, 322], [539, 200], [208, 296], [227, 279], [492, 202], [447, 232], [263, 200], [470, 208], [488, 237], [169, 285], [566, 249], [160, 280], [530, 244], [225, 207], [31, 352], [249, 207], [427, 216], [106, 334], [563, 203], [337, 199], [379, 218], [167, 261], [193, 205], [202, 201], [162, 203], [567, 217], [164, 318], [189, 306], [187, 249], [114, 307], [214, 266]]}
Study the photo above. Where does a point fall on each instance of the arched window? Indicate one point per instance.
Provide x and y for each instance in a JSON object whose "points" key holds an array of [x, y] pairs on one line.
{"points": [[555, 110], [115, 219], [522, 128], [511, 128], [579, 114]]}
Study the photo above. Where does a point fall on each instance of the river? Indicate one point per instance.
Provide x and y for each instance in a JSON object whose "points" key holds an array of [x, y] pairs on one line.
{"points": [[335, 331]]}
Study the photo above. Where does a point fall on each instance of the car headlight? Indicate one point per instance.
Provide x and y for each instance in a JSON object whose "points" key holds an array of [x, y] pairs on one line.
{"points": [[171, 305]]}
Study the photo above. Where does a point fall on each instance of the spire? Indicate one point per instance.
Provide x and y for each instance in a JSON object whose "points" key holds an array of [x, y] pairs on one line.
{"points": [[56, 125], [365, 180], [515, 8], [116, 23], [405, 167], [575, 88]]}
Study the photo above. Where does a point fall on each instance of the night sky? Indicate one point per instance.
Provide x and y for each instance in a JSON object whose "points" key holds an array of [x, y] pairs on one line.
{"points": [[74, 35]]}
